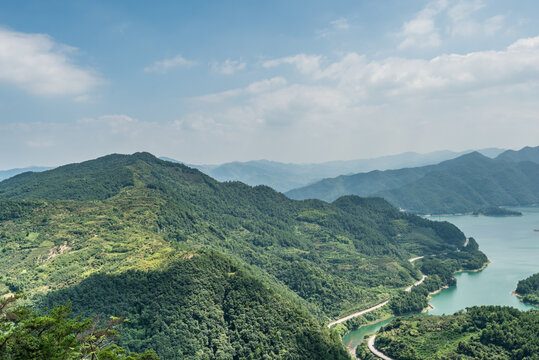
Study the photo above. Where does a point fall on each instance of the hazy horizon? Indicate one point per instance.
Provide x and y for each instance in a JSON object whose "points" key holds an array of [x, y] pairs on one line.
{"points": [[256, 160], [293, 82]]}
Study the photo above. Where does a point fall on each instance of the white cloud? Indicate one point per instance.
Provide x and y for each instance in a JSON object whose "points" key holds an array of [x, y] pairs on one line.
{"points": [[340, 24], [228, 67], [348, 107], [456, 18], [355, 82], [421, 31], [162, 66], [253, 88], [517, 64], [41, 66], [336, 26], [303, 62]]}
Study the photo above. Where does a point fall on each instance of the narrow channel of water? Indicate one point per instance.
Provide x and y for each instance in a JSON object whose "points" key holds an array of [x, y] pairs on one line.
{"points": [[512, 246]]}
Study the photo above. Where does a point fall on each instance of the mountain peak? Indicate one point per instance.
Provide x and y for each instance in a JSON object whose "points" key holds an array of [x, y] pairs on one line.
{"points": [[96, 179]]}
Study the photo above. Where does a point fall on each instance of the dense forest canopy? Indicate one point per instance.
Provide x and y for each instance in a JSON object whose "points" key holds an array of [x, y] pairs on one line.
{"points": [[56, 335], [134, 216], [469, 183], [485, 332], [529, 289]]}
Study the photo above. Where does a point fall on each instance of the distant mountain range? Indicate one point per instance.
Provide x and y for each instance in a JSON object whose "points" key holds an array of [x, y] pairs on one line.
{"points": [[284, 176], [6, 174], [464, 184]]}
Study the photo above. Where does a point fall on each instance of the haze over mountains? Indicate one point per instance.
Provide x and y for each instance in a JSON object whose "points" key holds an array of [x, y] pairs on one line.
{"points": [[287, 176], [464, 184]]}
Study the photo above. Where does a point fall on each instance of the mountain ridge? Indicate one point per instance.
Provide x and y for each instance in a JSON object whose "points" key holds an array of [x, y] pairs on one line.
{"points": [[286, 176], [459, 185]]}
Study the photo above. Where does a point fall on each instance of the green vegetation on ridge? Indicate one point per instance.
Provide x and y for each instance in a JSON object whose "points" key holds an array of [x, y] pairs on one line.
{"points": [[486, 332], [496, 211], [133, 218], [461, 185]]}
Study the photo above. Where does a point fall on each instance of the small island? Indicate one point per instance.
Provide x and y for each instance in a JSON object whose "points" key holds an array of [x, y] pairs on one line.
{"points": [[528, 290], [496, 211]]}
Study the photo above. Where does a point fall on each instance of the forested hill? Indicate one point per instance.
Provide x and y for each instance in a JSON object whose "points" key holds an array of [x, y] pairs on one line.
{"points": [[528, 289], [465, 184], [363, 184], [76, 231], [525, 154], [484, 332]]}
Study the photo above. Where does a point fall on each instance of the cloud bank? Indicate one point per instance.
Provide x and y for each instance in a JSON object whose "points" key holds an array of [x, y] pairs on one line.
{"points": [[37, 64]]}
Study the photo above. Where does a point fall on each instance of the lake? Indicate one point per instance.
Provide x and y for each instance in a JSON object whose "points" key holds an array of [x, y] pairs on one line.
{"points": [[513, 249]]}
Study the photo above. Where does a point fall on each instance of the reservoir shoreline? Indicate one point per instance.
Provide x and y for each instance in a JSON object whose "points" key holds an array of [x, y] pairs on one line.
{"points": [[512, 248]]}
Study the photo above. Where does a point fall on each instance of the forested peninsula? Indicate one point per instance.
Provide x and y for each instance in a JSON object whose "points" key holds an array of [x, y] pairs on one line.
{"points": [[484, 332], [528, 290]]}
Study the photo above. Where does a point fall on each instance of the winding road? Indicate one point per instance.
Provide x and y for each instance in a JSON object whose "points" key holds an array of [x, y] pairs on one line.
{"points": [[370, 345], [379, 305], [409, 288], [359, 313], [416, 258]]}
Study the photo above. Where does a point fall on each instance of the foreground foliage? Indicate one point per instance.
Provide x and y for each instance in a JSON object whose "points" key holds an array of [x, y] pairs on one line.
{"points": [[25, 334], [203, 306]]}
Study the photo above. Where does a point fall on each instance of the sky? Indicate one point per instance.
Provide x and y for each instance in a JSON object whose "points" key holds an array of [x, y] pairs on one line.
{"points": [[291, 81]]}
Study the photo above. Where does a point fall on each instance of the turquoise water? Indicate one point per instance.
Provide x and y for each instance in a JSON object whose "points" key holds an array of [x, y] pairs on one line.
{"points": [[513, 249], [353, 338]]}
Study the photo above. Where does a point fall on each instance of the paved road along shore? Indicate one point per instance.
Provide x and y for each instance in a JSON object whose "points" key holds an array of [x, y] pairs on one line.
{"points": [[370, 345]]}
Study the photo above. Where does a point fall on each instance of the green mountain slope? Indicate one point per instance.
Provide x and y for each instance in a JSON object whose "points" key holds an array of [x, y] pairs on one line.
{"points": [[122, 217], [525, 154], [464, 184], [6, 174], [92, 180], [205, 307], [363, 184], [468, 184]]}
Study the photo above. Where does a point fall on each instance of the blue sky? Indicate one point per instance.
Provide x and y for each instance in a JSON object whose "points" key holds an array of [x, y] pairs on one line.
{"points": [[293, 81]]}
